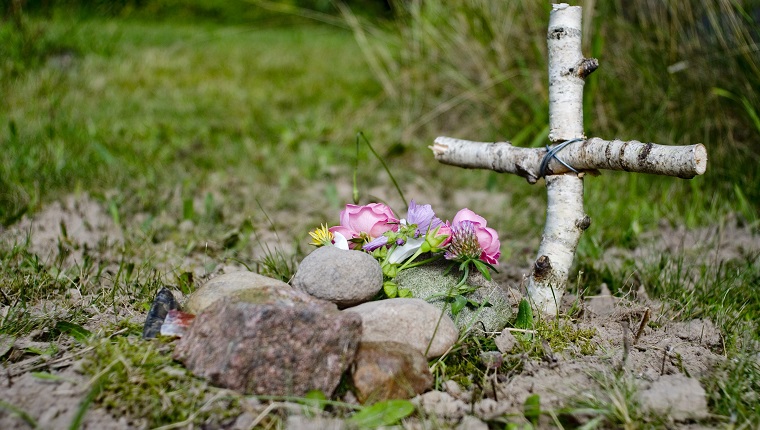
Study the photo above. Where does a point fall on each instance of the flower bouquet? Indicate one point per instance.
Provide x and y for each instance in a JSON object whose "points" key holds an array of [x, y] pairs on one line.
{"points": [[420, 238]]}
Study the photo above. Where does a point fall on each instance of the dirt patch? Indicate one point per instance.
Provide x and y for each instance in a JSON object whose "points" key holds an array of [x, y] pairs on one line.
{"points": [[67, 228], [628, 355], [52, 403]]}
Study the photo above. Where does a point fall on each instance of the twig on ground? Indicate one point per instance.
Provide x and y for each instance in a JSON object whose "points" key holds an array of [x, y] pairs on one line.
{"points": [[642, 326]]}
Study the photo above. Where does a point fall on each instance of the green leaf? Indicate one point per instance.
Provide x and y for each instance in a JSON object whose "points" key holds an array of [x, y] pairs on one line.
{"points": [[405, 293], [185, 281], [524, 316], [76, 331], [316, 399], [532, 408], [390, 288], [386, 413], [458, 304], [482, 268]]}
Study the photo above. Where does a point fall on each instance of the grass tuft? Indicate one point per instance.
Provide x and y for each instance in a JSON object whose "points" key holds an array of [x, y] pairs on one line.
{"points": [[139, 379]]}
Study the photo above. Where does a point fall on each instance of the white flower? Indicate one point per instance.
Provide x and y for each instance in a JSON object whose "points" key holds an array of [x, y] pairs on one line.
{"points": [[339, 241], [406, 250]]}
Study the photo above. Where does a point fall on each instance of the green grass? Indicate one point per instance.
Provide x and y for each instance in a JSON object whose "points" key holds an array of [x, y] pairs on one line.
{"points": [[177, 104], [139, 379], [217, 127]]}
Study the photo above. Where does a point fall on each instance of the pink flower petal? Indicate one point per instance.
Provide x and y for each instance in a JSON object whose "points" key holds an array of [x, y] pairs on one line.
{"points": [[468, 215]]}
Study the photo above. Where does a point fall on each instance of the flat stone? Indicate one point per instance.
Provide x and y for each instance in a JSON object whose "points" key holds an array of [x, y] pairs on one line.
{"points": [[677, 396], [389, 370], [411, 321], [345, 278], [428, 281], [241, 286], [271, 349]]}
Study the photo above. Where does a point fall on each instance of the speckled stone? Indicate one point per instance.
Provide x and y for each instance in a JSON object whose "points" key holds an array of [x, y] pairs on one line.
{"points": [[429, 280], [285, 348]]}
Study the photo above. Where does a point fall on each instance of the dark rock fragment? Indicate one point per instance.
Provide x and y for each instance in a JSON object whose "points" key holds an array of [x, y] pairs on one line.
{"points": [[162, 304]]}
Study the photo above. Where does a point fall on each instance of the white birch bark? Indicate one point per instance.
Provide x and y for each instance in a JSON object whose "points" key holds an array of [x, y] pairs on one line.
{"points": [[564, 214], [592, 154], [565, 222], [565, 86], [565, 218]]}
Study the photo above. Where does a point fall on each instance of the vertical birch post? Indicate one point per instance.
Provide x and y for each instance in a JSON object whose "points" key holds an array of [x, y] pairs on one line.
{"points": [[565, 218]]}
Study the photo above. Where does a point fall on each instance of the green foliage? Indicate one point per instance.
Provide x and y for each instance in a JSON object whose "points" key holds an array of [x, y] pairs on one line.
{"points": [[524, 318], [616, 406], [139, 379], [562, 335], [385, 413], [733, 389]]}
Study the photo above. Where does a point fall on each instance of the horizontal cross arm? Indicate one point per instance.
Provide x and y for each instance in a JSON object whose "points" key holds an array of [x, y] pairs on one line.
{"points": [[591, 154]]}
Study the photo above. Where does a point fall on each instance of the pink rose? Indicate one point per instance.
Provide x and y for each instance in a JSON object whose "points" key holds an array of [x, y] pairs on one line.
{"points": [[487, 237], [367, 222]]}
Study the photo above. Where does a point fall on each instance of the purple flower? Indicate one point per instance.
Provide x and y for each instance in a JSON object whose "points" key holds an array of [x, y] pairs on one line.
{"points": [[375, 243], [464, 243], [422, 216]]}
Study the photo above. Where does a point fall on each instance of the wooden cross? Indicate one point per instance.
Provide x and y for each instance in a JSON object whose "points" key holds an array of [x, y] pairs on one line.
{"points": [[564, 170]]}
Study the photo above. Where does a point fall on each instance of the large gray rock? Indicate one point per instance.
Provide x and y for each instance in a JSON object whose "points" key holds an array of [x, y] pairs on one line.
{"points": [[241, 286], [282, 348], [411, 321], [389, 370], [345, 278], [428, 281], [677, 396]]}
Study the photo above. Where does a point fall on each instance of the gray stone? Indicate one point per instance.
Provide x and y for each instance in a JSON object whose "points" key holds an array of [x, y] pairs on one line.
{"points": [[677, 396], [345, 278], [411, 321], [389, 370], [284, 348], [429, 281], [242, 286]]}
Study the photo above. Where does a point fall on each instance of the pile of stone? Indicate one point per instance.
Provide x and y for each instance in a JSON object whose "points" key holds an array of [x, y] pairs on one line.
{"points": [[262, 336]]}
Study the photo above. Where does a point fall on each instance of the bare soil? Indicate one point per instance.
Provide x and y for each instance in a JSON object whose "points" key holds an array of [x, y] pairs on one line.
{"points": [[665, 360]]}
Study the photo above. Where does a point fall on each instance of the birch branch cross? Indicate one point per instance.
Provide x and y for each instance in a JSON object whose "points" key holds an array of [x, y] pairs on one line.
{"points": [[565, 219]]}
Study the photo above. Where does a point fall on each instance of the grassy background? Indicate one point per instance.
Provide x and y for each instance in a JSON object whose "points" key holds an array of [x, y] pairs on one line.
{"points": [[212, 111]]}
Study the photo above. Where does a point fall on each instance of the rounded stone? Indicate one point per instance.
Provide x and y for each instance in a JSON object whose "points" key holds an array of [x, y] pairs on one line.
{"points": [[389, 370], [345, 278], [241, 286], [431, 282], [414, 322]]}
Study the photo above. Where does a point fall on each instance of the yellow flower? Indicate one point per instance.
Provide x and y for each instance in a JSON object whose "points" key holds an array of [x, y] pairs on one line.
{"points": [[321, 236]]}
